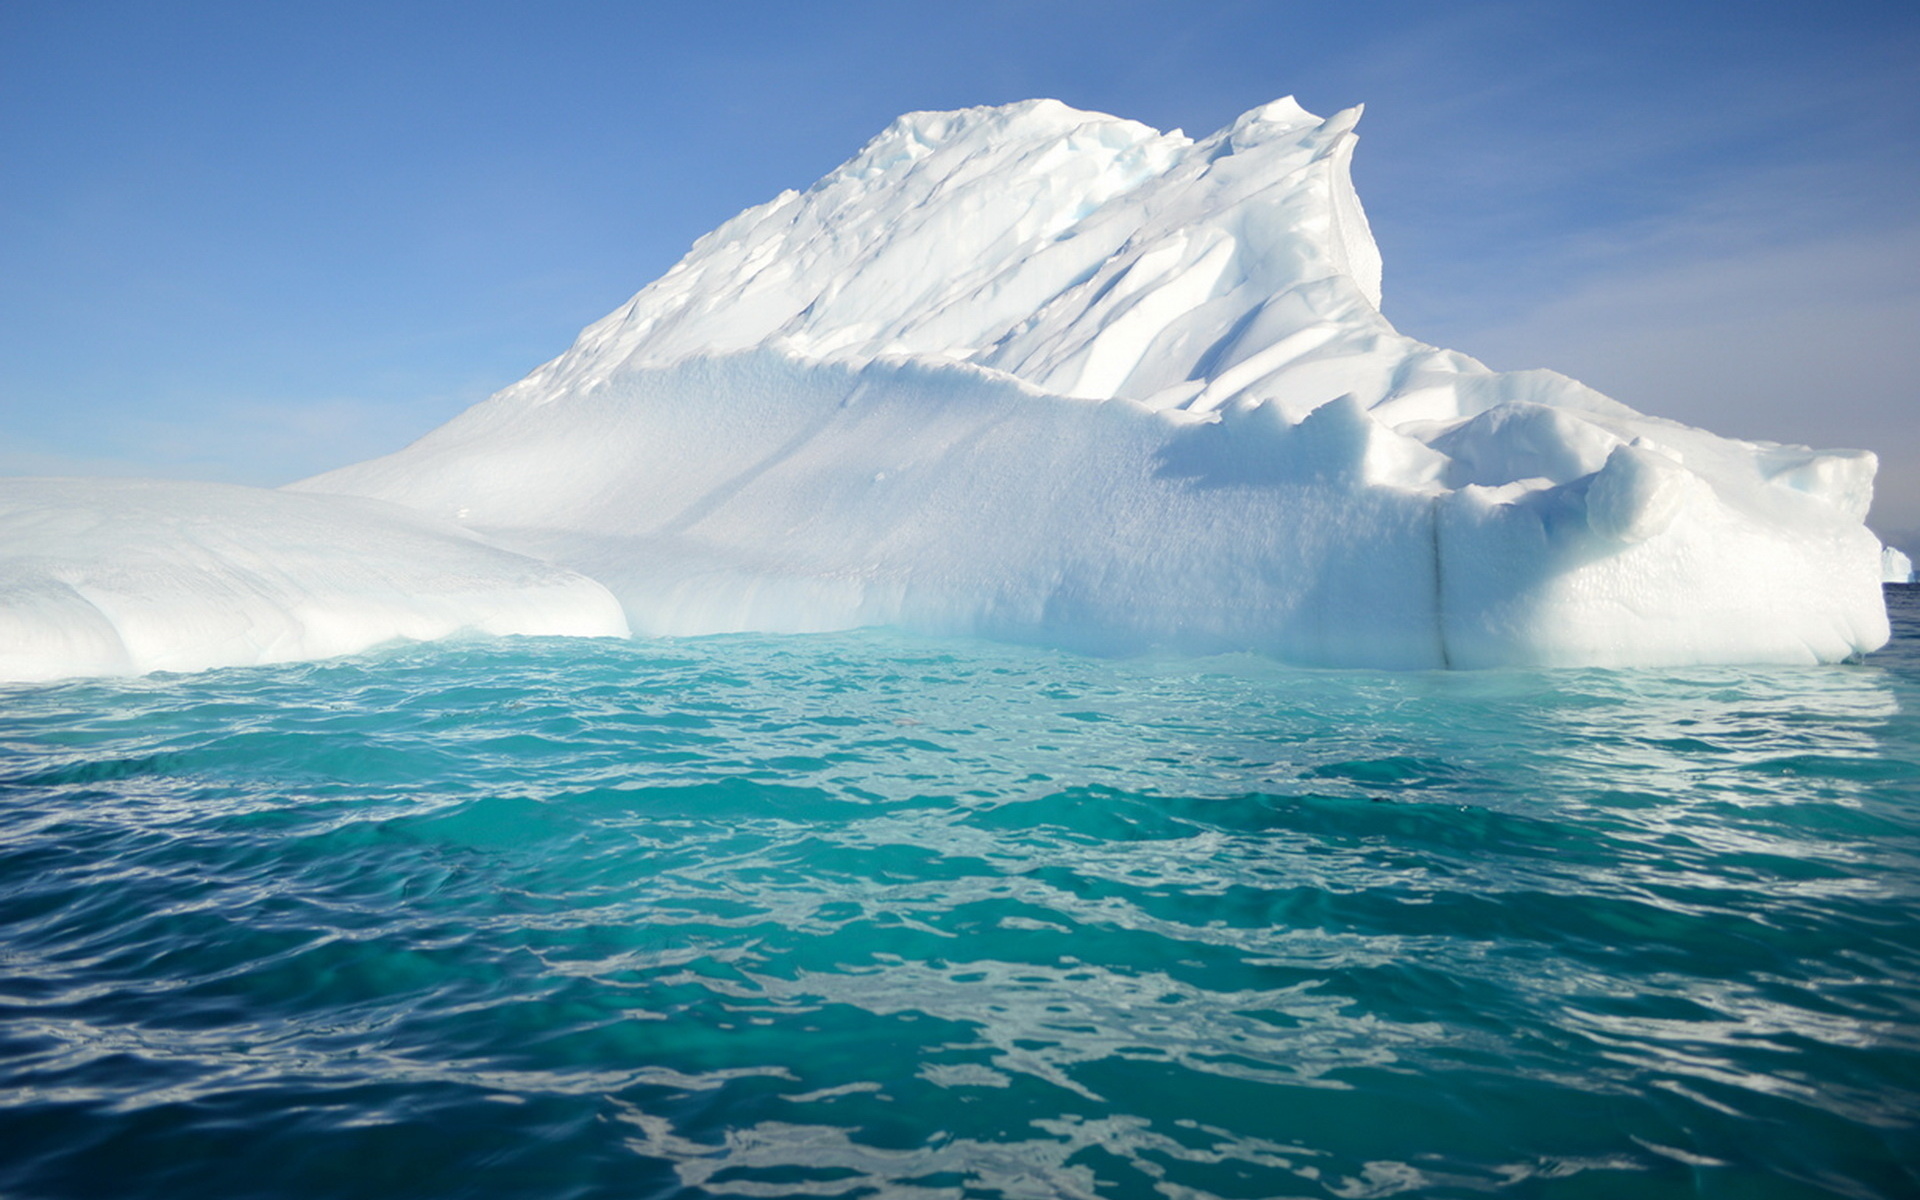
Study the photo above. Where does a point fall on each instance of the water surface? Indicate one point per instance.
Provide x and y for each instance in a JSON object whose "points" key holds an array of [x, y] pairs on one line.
{"points": [[863, 915]]}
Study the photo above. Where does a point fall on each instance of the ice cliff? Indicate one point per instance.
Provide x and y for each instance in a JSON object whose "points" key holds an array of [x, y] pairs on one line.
{"points": [[1047, 375]]}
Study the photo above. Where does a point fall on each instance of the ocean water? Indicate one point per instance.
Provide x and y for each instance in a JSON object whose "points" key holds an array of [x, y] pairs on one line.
{"points": [[867, 915]]}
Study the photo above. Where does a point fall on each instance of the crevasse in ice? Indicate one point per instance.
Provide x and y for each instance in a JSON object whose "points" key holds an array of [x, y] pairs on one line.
{"points": [[1038, 374]]}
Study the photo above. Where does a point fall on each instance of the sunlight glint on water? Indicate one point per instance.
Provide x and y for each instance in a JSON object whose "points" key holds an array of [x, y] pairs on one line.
{"points": [[863, 914]]}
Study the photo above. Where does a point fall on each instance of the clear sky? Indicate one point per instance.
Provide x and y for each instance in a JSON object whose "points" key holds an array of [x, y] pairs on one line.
{"points": [[250, 241]]}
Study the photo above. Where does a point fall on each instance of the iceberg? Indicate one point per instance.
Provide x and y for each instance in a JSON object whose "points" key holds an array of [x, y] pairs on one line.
{"points": [[1048, 375], [1022, 372], [1895, 566]]}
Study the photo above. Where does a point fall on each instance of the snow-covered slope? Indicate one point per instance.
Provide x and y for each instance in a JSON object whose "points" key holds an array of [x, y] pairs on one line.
{"points": [[108, 577], [1045, 374]]}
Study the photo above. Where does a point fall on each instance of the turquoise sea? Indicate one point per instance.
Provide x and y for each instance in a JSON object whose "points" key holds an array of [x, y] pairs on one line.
{"points": [[869, 915]]}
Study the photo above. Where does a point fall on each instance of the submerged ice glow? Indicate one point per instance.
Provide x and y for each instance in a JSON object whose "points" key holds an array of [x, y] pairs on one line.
{"points": [[1051, 376]]}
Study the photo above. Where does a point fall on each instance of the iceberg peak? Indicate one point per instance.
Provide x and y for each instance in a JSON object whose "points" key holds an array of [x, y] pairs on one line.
{"points": [[1279, 118], [1079, 252]]}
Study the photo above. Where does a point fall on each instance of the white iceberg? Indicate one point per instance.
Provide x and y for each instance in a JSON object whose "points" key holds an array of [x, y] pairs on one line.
{"points": [[1023, 372], [1895, 566], [1042, 374], [111, 577]]}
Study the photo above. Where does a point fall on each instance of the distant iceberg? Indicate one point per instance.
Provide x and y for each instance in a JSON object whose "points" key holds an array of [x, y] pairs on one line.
{"points": [[1895, 566], [1046, 375]]}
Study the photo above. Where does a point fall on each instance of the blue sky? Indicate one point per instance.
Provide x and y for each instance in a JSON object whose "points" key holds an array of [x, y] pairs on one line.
{"points": [[250, 241]]}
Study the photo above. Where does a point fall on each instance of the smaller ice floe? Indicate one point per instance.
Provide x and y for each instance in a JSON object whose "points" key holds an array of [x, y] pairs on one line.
{"points": [[1895, 566], [107, 577]]}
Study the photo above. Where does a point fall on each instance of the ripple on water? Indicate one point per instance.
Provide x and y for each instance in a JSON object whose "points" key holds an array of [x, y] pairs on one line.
{"points": [[866, 914]]}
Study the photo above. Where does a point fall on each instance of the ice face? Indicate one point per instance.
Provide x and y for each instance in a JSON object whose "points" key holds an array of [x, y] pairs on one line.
{"points": [[1048, 375]]}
